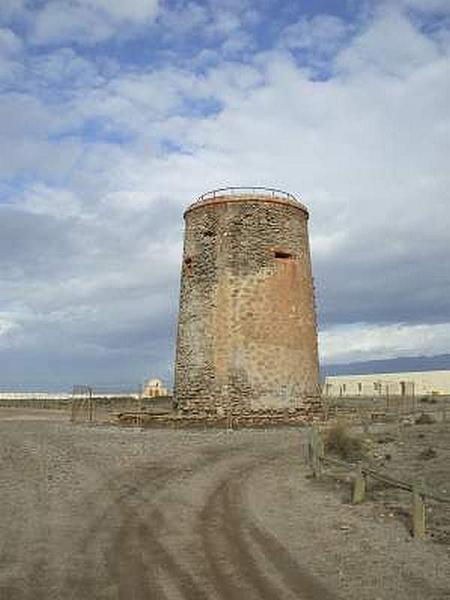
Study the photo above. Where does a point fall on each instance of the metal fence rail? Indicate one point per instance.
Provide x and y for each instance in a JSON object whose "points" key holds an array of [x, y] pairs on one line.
{"points": [[237, 190]]}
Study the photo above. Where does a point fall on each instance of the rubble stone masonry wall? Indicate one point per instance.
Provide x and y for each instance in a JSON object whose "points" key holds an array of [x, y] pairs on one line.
{"points": [[247, 337]]}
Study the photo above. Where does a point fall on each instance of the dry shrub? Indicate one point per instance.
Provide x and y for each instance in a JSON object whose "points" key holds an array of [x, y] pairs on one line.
{"points": [[340, 442], [428, 453], [425, 419], [429, 399]]}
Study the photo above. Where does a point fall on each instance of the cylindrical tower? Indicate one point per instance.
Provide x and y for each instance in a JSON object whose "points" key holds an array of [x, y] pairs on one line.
{"points": [[247, 336]]}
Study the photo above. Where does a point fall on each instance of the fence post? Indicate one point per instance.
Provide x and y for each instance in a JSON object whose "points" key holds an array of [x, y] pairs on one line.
{"points": [[309, 448], [399, 424], [365, 421], [418, 512], [317, 453], [304, 448], [90, 405], [359, 486], [311, 452]]}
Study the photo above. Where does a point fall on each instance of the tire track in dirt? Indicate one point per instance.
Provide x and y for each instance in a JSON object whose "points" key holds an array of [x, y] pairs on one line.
{"points": [[120, 551], [137, 548], [286, 565], [137, 554], [119, 523], [224, 549], [130, 553], [31, 581], [228, 533]]}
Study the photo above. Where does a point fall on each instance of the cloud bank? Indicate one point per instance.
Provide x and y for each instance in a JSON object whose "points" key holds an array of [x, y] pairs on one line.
{"points": [[115, 116]]}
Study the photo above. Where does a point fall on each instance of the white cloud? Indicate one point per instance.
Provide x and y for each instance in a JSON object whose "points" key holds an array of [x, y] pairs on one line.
{"points": [[23, 114], [326, 245], [359, 341], [43, 200], [101, 219], [88, 21], [58, 22], [390, 44], [236, 44], [424, 5], [10, 43], [323, 33], [9, 330], [10, 53], [11, 8], [63, 67], [132, 10]]}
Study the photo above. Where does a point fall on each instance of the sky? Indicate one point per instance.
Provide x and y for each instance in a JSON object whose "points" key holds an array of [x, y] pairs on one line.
{"points": [[115, 116]]}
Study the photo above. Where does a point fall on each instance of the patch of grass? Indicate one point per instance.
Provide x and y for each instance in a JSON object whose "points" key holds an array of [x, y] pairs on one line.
{"points": [[340, 442]]}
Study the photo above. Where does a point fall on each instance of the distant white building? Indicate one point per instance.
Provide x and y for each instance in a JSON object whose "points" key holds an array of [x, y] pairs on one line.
{"points": [[35, 396], [426, 383], [153, 388]]}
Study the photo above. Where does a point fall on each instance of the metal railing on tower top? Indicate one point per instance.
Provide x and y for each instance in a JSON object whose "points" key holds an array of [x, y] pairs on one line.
{"points": [[246, 191]]}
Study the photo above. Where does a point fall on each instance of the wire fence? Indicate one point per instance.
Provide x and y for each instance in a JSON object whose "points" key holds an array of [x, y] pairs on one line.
{"points": [[89, 405], [86, 403], [386, 408], [315, 456]]}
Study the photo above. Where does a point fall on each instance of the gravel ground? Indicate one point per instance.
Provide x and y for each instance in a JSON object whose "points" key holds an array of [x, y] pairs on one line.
{"points": [[418, 453], [103, 513]]}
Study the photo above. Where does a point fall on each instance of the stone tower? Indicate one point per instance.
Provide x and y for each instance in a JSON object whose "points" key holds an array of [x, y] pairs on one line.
{"points": [[247, 336]]}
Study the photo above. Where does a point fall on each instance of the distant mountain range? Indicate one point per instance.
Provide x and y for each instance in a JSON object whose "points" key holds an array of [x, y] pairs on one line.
{"points": [[392, 365]]}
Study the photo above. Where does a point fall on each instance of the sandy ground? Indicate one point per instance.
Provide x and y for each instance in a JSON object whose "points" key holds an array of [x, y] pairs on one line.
{"points": [[103, 513], [419, 453]]}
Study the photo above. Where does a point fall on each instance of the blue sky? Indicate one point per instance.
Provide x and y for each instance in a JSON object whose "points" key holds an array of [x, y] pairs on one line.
{"points": [[115, 115]]}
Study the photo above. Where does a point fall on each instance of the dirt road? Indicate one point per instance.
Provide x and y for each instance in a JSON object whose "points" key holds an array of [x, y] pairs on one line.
{"points": [[108, 513]]}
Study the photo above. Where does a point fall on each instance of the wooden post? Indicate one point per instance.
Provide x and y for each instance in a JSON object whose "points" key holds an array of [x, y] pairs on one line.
{"points": [[399, 423], [90, 405], [229, 421], [359, 487], [310, 448], [304, 448], [317, 453], [326, 408], [365, 421], [312, 451], [418, 512]]}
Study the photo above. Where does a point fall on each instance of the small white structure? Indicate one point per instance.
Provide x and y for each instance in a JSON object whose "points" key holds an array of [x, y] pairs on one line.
{"points": [[153, 388], [425, 383]]}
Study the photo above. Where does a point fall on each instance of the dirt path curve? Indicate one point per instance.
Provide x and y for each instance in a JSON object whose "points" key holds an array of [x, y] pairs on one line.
{"points": [[244, 556], [95, 524], [107, 513], [141, 565]]}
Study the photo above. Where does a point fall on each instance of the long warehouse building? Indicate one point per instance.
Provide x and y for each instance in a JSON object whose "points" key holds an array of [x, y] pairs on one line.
{"points": [[414, 383]]}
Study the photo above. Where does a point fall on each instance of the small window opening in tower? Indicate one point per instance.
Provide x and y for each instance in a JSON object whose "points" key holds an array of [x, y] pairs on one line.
{"points": [[188, 264], [281, 254]]}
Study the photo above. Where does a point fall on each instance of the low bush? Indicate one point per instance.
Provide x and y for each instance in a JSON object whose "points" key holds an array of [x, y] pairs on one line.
{"points": [[340, 442], [425, 419], [429, 399], [428, 453]]}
